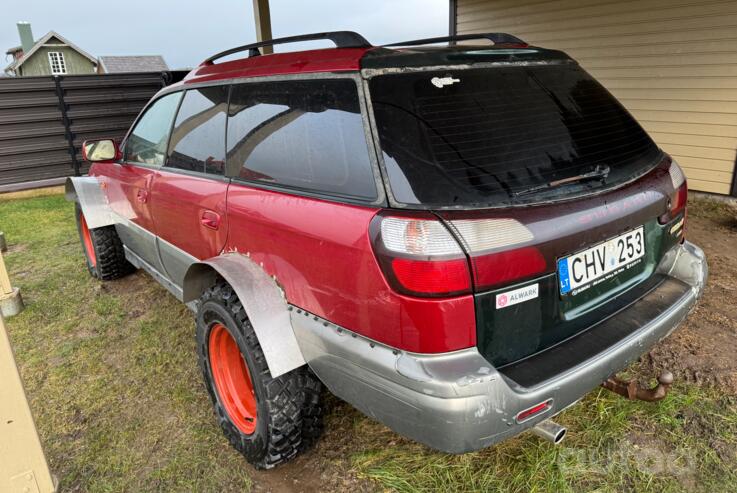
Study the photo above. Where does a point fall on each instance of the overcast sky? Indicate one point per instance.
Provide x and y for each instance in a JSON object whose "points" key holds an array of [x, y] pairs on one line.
{"points": [[186, 32]]}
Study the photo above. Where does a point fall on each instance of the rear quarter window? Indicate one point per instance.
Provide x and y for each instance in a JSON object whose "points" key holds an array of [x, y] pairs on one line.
{"points": [[307, 135]]}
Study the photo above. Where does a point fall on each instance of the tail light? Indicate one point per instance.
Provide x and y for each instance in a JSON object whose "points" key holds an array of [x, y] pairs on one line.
{"points": [[423, 256], [499, 251], [678, 198], [420, 257]]}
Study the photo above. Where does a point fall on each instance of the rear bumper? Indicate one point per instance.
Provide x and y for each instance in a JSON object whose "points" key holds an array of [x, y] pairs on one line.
{"points": [[457, 402]]}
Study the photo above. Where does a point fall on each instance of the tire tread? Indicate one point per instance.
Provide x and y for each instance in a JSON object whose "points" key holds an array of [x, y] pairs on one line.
{"points": [[111, 261], [292, 399]]}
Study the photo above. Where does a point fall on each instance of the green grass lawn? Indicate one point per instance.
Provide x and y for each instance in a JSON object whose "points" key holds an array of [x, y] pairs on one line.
{"points": [[111, 373], [683, 444], [110, 369]]}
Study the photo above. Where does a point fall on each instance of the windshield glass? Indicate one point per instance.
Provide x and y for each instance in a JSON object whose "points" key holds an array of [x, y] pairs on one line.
{"points": [[504, 135]]}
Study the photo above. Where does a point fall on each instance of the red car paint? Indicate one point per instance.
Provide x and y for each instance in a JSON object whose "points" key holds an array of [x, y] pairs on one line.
{"points": [[127, 191], [334, 60], [292, 237], [181, 202]]}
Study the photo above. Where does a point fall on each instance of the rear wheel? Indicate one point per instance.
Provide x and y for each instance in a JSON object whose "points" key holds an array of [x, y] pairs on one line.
{"points": [[103, 250], [268, 420]]}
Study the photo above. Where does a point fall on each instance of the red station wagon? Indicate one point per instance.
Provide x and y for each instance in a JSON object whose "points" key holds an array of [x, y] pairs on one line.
{"points": [[461, 240]]}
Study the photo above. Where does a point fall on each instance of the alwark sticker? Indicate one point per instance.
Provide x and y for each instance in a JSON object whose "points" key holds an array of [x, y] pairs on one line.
{"points": [[518, 295]]}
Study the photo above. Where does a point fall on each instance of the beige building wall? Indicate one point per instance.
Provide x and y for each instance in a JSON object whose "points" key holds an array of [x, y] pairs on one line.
{"points": [[672, 63]]}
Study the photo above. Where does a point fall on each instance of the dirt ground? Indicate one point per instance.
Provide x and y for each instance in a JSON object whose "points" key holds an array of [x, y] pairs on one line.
{"points": [[703, 349]]}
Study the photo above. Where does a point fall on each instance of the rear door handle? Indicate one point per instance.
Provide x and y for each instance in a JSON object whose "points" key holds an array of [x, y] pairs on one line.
{"points": [[210, 219], [142, 196]]}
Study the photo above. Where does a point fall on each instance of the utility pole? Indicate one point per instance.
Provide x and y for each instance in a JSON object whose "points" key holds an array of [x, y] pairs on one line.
{"points": [[262, 16]]}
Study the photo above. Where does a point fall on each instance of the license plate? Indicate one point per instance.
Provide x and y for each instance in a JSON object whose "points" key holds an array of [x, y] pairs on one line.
{"points": [[604, 260]]}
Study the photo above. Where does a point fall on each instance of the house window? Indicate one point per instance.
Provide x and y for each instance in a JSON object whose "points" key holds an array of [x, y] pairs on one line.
{"points": [[56, 60]]}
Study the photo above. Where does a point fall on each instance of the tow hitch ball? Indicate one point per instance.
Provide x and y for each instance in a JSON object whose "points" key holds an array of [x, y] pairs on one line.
{"points": [[632, 390]]}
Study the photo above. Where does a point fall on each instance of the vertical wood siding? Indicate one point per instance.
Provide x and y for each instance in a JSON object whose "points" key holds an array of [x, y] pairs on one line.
{"points": [[672, 63]]}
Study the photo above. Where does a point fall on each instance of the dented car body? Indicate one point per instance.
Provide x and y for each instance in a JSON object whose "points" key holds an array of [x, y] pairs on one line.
{"points": [[460, 241]]}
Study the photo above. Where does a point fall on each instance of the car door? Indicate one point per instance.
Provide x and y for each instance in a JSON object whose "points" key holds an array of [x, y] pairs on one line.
{"points": [[128, 182], [188, 194]]}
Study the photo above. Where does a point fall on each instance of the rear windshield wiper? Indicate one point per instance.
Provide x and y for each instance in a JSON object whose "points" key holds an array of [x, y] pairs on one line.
{"points": [[600, 172]]}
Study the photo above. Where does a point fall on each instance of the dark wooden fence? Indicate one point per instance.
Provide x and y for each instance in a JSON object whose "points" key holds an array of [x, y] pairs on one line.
{"points": [[44, 120]]}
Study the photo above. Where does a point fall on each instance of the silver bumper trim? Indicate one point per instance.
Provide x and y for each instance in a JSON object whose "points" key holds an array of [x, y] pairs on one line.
{"points": [[457, 402]]}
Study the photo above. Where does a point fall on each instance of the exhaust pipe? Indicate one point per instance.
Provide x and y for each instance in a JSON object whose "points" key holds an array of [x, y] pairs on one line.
{"points": [[550, 431]]}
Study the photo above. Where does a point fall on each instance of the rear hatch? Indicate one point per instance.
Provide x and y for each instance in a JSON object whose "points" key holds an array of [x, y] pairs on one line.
{"points": [[563, 204]]}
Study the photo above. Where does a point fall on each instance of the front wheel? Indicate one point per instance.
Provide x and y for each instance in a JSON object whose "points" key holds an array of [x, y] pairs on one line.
{"points": [[268, 420], [103, 250]]}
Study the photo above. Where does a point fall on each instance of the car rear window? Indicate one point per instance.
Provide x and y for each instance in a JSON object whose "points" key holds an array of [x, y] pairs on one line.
{"points": [[499, 135]]}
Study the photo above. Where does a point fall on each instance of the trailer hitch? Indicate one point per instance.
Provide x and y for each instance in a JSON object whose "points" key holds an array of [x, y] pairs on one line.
{"points": [[632, 390]]}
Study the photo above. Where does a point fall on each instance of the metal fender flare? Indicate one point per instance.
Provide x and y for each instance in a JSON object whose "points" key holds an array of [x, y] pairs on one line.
{"points": [[86, 191], [263, 300]]}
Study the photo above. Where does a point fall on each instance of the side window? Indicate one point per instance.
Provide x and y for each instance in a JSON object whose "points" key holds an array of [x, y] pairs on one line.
{"points": [[147, 142], [301, 134], [198, 139]]}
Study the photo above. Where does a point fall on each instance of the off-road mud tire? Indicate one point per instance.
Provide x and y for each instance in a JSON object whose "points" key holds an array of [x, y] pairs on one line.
{"points": [[289, 416], [312, 410], [109, 261]]}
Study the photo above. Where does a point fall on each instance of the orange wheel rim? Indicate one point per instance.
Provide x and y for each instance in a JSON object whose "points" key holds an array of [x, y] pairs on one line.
{"points": [[232, 379], [87, 241]]}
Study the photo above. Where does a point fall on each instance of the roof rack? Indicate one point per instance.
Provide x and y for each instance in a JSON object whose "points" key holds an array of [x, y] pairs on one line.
{"points": [[496, 38], [342, 39]]}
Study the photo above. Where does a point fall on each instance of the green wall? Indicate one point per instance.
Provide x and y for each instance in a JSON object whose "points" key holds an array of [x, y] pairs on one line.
{"points": [[38, 64]]}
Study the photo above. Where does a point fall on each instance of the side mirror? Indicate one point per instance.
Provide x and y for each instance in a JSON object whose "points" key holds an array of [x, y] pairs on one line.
{"points": [[100, 150]]}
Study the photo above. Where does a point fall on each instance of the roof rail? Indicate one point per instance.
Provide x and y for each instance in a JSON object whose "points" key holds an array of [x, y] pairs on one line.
{"points": [[342, 39], [497, 38]]}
